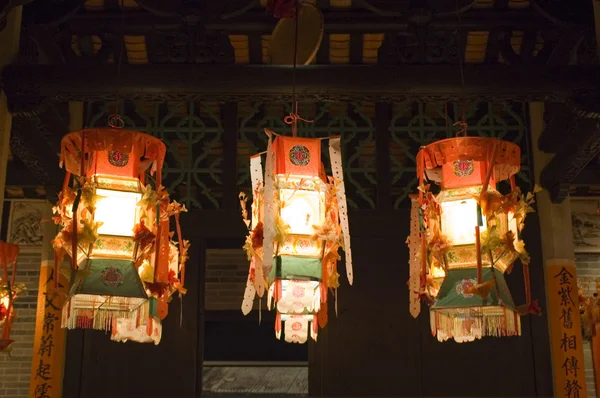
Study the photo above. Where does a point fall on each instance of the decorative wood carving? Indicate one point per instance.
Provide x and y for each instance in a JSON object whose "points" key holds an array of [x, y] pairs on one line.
{"points": [[192, 46], [421, 47], [582, 146]]}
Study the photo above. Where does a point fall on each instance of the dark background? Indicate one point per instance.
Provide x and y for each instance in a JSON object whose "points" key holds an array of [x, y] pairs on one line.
{"points": [[373, 348]]}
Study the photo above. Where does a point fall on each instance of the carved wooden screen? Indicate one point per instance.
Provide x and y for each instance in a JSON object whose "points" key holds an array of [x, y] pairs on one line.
{"points": [[193, 132], [415, 124]]}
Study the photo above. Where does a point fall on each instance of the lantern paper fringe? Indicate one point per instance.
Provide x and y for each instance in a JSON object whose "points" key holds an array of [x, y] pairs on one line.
{"points": [[99, 319], [335, 155], [413, 242], [468, 324]]}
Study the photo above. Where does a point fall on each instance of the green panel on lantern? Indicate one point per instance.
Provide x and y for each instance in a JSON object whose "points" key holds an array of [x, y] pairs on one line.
{"points": [[111, 277], [457, 280], [152, 306], [291, 267]]}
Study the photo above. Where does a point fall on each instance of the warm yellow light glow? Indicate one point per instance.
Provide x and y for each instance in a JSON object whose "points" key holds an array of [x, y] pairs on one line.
{"points": [[512, 224], [301, 210], [4, 301], [437, 272], [117, 210], [459, 219]]}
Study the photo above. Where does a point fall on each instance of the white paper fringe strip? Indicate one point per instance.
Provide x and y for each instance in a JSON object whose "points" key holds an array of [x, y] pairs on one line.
{"points": [[335, 155]]}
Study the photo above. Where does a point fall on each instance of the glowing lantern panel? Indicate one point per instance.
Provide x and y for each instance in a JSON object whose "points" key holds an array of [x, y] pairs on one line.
{"points": [[9, 291], [118, 212], [459, 218]]}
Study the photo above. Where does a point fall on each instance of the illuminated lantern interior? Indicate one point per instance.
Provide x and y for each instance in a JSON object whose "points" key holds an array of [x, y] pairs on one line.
{"points": [[462, 254], [126, 266], [459, 218], [118, 211], [304, 236], [302, 209], [9, 291]]}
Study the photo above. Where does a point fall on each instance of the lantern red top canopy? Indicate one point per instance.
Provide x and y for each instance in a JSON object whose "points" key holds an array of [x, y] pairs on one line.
{"points": [[502, 156], [121, 142]]}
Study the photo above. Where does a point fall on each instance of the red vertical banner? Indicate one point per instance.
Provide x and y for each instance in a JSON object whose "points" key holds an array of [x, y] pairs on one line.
{"points": [[49, 343], [565, 329]]}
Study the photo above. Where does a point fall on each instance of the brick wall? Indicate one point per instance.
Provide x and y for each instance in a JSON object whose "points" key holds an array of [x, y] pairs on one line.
{"points": [[16, 371], [226, 275], [588, 265]]}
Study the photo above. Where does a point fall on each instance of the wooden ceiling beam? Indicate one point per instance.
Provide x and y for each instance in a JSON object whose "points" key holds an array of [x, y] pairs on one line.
{"points": [[31, 84], [348, 21]]}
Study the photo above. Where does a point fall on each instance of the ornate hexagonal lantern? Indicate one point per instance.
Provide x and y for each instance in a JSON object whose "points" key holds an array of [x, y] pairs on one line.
{"points": [[125, 265], [299, 221], [9, 290], [466, 237]]}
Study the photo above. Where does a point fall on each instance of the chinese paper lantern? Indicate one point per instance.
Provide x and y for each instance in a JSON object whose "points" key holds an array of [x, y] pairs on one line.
{"points": [[8, 292], [466, 237], [299, 221], [125, 266]]}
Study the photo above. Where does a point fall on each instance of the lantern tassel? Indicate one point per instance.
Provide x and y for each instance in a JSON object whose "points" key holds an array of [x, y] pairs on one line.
{"points": [[75, 222], [421, 175], [491, 167], [413, 261], [269, 216], [335, 156], [180, 241], [75, 226], [478, 254], [336, 302], [56, 252], [527, 283]]}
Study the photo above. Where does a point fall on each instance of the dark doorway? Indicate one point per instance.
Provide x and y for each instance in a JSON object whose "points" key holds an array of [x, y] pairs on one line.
{"points": [[241, 353]]}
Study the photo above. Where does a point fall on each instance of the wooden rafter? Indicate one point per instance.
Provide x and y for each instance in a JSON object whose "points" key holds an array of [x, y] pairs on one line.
{"points": [[334, 22], [31, 84]]}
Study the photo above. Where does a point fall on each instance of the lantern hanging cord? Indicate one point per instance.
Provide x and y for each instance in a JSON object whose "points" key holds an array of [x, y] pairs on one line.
{"points": [[115, 120], [462, 123], [293, 117]]}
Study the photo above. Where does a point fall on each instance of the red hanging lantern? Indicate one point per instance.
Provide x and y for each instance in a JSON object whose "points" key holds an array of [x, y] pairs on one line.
{"points": [[466, 237], [115, 227], [8, 292]]}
